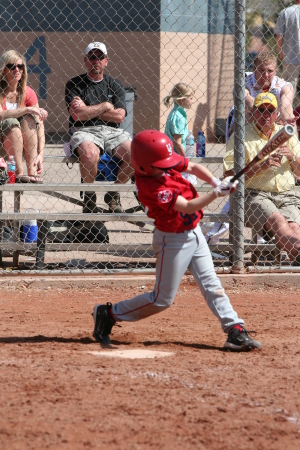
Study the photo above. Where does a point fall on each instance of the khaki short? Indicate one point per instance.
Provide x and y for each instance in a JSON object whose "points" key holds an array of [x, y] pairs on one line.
{"points": [[7, 124], [106, 138], [260, 205]]}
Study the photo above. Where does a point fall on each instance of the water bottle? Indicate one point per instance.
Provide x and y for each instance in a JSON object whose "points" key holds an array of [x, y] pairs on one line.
{"points": [[200, 145], [11, 170], [189, 150], [30, 229]]}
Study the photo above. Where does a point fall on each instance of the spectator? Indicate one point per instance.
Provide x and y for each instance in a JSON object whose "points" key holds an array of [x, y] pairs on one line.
{"points": [[263, 79], [21, 118], [287, 32], [272, 206], [96, 103], [297, 118]]}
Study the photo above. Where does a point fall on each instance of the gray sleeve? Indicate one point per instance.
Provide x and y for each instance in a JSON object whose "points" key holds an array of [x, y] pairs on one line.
{"points": [[280, 24]]}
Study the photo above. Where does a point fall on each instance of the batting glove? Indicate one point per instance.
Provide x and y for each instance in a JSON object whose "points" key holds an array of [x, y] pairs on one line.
{"points": [[226, 187]]}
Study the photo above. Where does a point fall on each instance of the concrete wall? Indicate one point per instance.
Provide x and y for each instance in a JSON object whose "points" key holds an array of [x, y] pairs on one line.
{"points": [[151, 45], [133, 58], [206, 63]]}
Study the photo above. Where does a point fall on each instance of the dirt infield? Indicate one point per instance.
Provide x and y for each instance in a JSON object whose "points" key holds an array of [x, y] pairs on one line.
{"points": [[57, 394]]}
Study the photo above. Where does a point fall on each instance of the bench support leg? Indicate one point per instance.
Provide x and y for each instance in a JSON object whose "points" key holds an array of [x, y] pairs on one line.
{"points": [[1, 227], [256, 254], [16, 235], [41, 244]]}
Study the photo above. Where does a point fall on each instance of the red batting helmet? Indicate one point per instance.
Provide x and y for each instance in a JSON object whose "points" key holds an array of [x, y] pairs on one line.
{"points": [[151, 148]]}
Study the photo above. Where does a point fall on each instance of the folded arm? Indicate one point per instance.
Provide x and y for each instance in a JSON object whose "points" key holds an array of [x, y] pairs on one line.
{"points": [[104, 111]]}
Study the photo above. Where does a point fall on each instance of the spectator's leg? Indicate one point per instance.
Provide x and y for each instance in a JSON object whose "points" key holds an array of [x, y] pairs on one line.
{"points": [[13, 145], [125, 172], [89, 155], [30, 140], [287, 234]]}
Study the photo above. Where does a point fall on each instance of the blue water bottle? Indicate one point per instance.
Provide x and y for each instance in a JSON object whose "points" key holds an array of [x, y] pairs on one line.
{"points": [[200, 145]]}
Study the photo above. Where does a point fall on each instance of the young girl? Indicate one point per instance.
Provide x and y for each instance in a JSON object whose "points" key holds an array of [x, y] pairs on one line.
{"points": [[178, 242], [182, 97]]}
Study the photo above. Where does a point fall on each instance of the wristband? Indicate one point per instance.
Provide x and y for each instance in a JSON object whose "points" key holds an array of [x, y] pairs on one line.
{"points": [[215, 182]]}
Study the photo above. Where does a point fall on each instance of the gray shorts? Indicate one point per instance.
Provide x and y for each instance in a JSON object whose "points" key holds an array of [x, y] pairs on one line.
{"points": [[290, 72], [7, 124], [106, 138], [260, 205]]}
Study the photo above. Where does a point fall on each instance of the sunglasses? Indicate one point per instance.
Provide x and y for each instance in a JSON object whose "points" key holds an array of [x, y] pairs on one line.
{"points": [[15, 66], [94, 57], [263, 110]]}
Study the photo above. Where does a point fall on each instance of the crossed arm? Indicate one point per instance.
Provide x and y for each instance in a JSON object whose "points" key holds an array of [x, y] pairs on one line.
{"points": [[106, 111]]}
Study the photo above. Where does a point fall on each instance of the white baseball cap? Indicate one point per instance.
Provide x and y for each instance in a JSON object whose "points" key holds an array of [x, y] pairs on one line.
{"points": [[95, 46]]}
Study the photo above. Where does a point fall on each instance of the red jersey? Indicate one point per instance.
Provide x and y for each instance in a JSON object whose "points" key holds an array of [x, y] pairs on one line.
{"points": [[159, 195]]}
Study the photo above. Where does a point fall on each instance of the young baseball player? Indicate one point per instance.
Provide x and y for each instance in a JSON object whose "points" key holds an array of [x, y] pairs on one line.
{"points": [[178, 242]]}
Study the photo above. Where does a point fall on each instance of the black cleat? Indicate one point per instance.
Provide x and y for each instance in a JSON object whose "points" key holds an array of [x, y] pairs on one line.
{"points": [[239, 341], [89, 204], [103, 323]]}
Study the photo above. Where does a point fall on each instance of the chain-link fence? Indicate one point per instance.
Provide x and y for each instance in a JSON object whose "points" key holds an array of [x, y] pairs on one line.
{"points": [[55, 217]]}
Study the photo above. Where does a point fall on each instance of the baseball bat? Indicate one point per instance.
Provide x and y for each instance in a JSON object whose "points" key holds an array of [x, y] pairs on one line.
{"points": [[283, 135]]}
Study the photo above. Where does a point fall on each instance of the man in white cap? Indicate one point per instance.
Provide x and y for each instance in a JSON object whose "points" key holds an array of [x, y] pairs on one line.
{"points": [[97, 107]]}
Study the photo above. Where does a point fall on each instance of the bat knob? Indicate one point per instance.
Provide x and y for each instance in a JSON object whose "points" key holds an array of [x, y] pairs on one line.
{"points": [[289, 129]]}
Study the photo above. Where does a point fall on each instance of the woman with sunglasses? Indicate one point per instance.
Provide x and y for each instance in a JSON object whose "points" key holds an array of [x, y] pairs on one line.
{"points": [[21, 118]]}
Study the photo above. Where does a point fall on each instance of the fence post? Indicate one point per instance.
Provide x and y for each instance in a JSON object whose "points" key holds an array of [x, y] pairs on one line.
{"points": [[239, 135]]}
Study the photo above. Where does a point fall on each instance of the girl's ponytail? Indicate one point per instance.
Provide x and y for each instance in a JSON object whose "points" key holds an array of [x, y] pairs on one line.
{"points": [[179, 92]]}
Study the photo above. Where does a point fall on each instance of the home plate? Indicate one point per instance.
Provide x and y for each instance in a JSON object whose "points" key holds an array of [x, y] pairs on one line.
{"points": [[132, 354]]}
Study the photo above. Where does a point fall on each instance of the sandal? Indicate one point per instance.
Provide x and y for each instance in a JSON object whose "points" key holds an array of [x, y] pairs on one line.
{"points": [[23, 179], [35, 179]]}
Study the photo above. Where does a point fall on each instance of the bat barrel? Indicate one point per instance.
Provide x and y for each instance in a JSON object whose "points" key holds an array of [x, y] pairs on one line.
{"points": [[283, 135]]}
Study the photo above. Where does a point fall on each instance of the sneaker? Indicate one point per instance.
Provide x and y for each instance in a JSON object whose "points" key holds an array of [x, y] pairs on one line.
{"points": [[212, 240], [89, 202], [218, 230], [206, 226], [238, 340], [103, 323], [261, 240], [112, 199]]}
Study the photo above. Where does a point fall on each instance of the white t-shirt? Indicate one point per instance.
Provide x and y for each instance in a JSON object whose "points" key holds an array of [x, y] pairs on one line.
{"points": [[254, 89], [275, 88], [11, 106]]}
